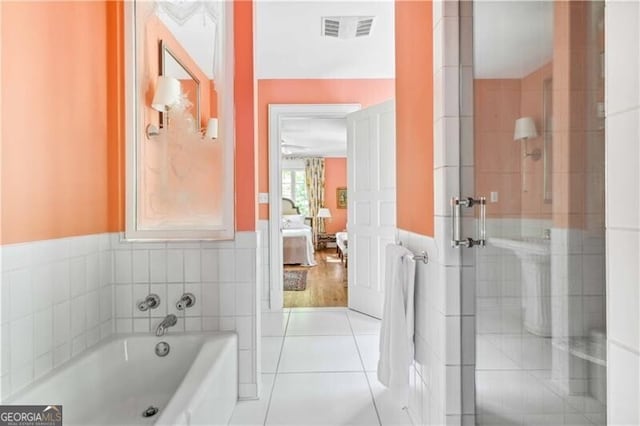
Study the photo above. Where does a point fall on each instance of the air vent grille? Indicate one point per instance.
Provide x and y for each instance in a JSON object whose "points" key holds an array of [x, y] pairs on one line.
{"points": [[346, 27], [364, 27], [331, 27]]}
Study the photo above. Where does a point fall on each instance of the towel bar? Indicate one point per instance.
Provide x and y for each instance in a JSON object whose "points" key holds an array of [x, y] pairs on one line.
{"points": [[423, 256]]}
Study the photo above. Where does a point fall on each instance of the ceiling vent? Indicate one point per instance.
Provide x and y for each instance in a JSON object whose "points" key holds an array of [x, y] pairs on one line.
{"points": [[346, 27]]}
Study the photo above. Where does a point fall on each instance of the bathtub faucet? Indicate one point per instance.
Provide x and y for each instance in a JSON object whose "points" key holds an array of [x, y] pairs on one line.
{"points": [[168, 321]]}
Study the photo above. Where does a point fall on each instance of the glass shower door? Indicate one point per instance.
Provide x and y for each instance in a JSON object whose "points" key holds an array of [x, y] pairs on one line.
{"points": [[538, 158]]}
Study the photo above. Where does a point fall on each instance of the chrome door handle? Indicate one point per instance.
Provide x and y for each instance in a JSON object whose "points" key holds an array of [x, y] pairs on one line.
{"points": [[456, 218]]}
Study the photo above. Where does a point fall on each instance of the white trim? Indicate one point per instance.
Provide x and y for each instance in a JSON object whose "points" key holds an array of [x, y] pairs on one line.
{"points": [[278, 112], [134, 116]]}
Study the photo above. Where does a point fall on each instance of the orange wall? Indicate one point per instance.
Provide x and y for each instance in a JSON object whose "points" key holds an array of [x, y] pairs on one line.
{"points": [[414, 116], [59, 148], [497, 155], [244, 90], [531, 105], [335, 176], [365, 92]]}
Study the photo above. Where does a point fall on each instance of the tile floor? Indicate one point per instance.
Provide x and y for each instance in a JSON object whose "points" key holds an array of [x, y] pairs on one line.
{"points": [[319, 367]]}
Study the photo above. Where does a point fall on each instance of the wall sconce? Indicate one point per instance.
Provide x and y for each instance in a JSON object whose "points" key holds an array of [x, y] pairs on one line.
{"points": [[526, 129], [212, 129], [167, 95]]}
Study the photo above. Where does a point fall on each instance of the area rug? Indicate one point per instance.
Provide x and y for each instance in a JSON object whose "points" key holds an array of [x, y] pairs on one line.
{"points": [[295, 280]]}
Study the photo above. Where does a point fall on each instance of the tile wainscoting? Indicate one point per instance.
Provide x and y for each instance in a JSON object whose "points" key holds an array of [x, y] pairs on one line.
{"points": [[62, 296], [56, 303]]}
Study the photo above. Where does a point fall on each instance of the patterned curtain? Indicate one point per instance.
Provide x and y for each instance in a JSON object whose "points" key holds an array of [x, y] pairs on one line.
{"points": [[314, 171]]}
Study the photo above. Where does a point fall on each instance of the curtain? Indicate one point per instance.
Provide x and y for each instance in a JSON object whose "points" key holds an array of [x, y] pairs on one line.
{"points": [[314, 174]]}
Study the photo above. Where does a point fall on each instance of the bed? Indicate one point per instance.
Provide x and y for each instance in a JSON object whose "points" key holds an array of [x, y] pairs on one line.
{"points": [[297, 238]]}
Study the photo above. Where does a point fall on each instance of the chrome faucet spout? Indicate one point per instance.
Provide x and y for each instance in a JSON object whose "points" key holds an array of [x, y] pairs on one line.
{"points": [[169, 321]]}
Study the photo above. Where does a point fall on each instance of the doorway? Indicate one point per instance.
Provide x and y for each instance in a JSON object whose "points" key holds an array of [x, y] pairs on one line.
{"points": [[307, 153]]}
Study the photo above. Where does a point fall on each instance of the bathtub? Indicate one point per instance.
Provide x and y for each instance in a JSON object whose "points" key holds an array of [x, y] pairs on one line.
{"points": [[113, 383]]}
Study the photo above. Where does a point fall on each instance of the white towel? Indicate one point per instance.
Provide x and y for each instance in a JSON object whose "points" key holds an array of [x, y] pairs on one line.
{"points": [[396, 334]]}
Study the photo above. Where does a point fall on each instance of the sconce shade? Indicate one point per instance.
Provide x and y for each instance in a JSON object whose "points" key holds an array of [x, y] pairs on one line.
{"points": [[525, 129], [212, 129], [167, 93], [324, 213]]}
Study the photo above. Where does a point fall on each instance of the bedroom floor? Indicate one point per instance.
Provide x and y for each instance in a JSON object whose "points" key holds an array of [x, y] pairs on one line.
{"points": [[326, 283]]}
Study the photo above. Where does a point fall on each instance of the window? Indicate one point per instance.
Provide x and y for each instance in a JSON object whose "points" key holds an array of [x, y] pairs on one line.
{"points": [[294, 187]]}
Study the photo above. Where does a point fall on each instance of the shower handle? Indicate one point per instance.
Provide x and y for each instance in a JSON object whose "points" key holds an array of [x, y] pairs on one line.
{"points": [[456, 219]]}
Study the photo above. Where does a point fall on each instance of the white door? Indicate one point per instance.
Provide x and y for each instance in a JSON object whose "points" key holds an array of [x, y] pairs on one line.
{"points": [[371, 194]]}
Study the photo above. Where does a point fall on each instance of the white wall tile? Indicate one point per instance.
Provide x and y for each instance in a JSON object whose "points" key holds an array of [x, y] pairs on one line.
{"points": [[140, 266], [78, 315], [43, 332], [227, 299], [175, 266], [93, 308], [227, 265], [123, 266], [21, 293], [21, 342], [93, 271], [621, 51], [123, 301], [623, 291], [192, 267], [61, 323], [623, 386], [70, 300], [60, 281], [209, 265], [210, 299], [158, 265], [42, 286]]}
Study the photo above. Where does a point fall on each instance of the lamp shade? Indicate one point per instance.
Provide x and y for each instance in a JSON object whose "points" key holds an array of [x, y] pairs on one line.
{"points": [[525, 129], [212, 129], [324, 213], [167, 93]]}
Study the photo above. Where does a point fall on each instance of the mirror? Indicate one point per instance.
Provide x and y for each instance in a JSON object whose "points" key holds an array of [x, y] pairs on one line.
{"points": [[180, 142], [172, 66]]}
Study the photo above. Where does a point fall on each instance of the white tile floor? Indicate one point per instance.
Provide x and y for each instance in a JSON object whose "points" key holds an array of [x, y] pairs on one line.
{"points": [[319, 367]]}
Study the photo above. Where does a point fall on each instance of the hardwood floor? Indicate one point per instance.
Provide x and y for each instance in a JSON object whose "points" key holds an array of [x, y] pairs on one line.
{"points": [[326, 283]]}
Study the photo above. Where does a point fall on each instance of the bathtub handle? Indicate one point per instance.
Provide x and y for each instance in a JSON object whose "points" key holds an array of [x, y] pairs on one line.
{"points": [[152, 301], [186, 301]]}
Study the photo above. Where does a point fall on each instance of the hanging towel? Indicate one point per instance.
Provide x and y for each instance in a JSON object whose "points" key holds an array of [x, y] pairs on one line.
{"points": [[396, 334]]}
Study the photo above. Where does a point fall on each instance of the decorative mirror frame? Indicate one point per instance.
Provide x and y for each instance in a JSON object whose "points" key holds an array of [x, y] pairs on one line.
{"points": [[134, 116], [547, 139], [165, 49]]}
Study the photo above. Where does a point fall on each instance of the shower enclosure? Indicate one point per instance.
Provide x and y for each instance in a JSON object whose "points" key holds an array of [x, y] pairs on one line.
{"points": [[532, 119]]}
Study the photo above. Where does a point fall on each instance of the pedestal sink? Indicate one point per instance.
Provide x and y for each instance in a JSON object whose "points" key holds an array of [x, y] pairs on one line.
{"points": [[534, 255]]}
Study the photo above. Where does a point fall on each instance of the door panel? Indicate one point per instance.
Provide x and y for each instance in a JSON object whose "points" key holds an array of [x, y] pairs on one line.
{"points": [[371, 186]]}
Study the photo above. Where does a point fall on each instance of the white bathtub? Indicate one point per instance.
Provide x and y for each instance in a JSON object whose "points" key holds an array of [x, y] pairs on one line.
{"points": [[113, 383]]}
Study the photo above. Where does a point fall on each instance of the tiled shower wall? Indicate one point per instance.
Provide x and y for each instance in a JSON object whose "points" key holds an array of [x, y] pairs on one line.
{"points": [[223, 276], [622, 61], [56, 303], [60, 297]]}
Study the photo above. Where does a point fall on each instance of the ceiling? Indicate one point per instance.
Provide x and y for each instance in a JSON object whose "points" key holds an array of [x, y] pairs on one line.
{"points": [[511, 38], [314, 137], [290, 44]]}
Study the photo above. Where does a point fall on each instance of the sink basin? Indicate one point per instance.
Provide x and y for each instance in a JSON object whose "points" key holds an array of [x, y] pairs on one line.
{"points": [[534, 254], [524, 246]]}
